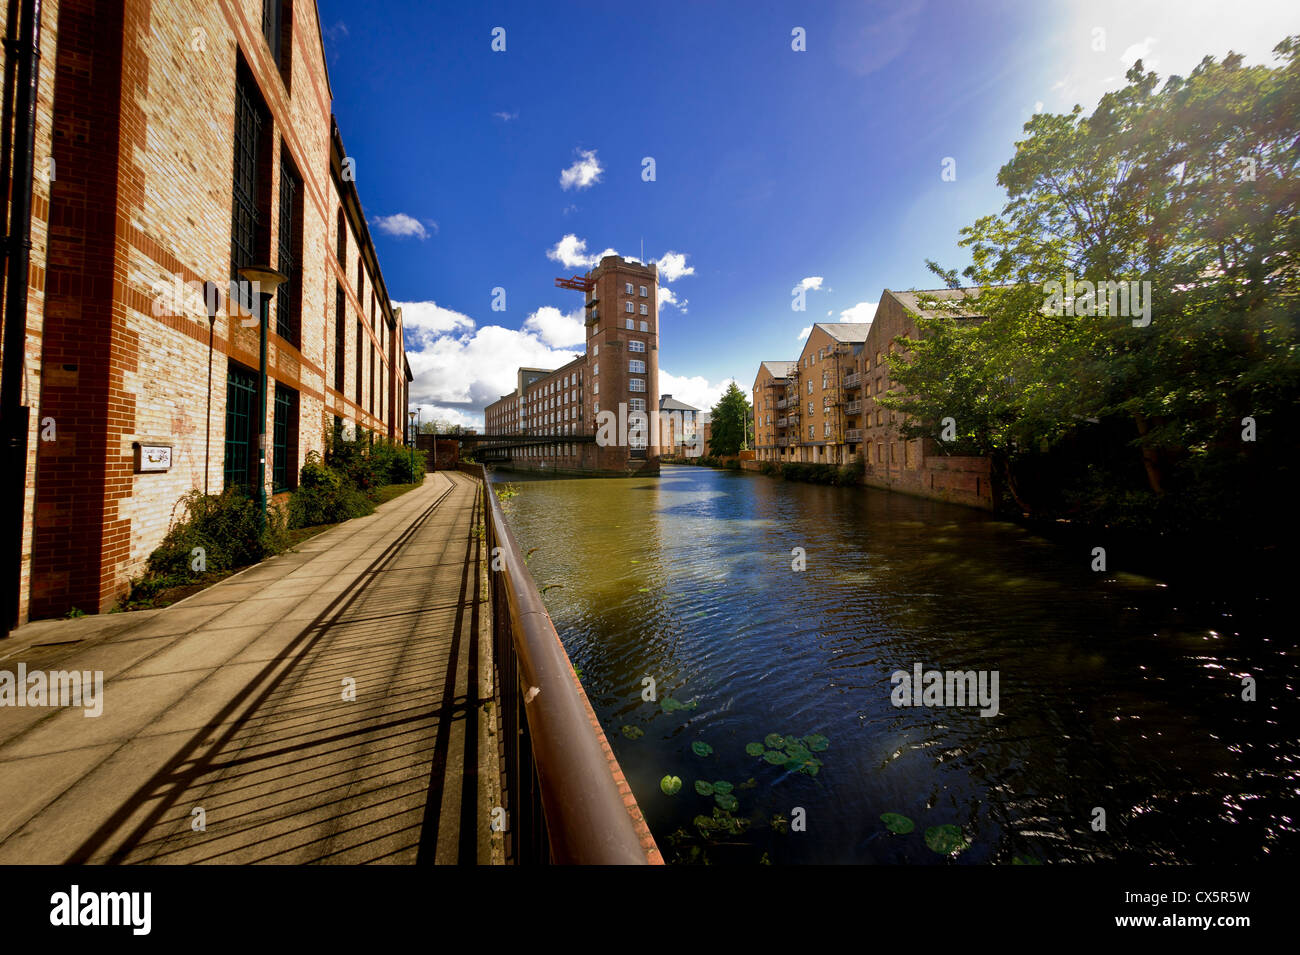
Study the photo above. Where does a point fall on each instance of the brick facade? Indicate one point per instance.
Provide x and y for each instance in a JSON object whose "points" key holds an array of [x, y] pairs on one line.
{"points": [[138, 110]]}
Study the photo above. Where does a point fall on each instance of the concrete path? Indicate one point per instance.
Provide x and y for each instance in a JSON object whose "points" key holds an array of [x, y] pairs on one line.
{"points": [[228, 734]]}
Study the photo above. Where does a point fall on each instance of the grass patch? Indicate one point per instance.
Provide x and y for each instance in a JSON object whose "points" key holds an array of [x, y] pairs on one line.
{"points": [[390, 491]]}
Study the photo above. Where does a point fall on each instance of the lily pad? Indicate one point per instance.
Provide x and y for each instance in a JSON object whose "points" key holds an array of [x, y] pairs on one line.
{"points": [[816, 742], [669, 705], [671, 785], [750, 783], [722, 786], [774, 740], [793, 764], [896, 822], [701, 748], [946, 839], [703, 788], [633, 732], [726, 801], [754, 749], [775, 757]]}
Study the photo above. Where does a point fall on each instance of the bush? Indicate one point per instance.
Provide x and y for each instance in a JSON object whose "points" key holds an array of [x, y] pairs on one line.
{"points": [[325, 496], [226, 527], [394, 464]]}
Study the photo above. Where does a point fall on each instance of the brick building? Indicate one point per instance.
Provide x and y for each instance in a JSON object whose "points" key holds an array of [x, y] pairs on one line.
{"points": [[821, 419], [618, 373], [771, 417], [678, 428], [177, 143]]}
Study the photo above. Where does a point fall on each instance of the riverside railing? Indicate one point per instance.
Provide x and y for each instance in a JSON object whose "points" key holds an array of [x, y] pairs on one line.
{"points": [[568, 801]]}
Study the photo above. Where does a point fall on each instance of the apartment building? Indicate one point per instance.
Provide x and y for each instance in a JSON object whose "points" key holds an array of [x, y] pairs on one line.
{"points": [[771, 406], [617, 374], [823, 396], [679, 428], [177, 144]]}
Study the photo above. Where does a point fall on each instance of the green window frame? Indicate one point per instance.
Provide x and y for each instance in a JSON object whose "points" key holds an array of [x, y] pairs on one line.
{"points": [[241, 435]]}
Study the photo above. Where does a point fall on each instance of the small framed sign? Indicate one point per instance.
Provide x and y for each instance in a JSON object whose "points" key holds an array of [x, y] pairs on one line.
{"points": [[152, 457]]}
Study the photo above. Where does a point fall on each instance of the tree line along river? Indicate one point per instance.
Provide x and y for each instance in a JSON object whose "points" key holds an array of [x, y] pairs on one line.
{"points": [[774, 693]]}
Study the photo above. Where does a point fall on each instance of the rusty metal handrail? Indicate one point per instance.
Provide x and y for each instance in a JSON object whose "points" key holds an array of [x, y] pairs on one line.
{"points": [[562, 780]]}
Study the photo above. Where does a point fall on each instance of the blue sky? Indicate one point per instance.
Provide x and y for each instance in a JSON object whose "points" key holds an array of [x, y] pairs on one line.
{"points": [[774, 168]]}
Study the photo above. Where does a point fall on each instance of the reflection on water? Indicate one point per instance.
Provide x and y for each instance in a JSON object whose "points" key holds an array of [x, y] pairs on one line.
{"points": [[1115, 691]]}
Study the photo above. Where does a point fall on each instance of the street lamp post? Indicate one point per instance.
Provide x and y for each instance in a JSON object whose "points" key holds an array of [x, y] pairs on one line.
{"points": [[410, 429], [265, 281], [210, 295]]}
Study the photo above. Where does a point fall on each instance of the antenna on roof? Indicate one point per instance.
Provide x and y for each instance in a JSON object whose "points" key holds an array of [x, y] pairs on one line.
{"points": [[643, 250]]}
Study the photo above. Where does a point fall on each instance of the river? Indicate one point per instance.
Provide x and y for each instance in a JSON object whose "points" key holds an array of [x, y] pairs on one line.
{"points": [[1116, 692]]}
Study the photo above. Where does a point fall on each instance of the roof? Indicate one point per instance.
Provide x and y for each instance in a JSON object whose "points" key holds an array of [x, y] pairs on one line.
{"points": [[960, 298], [669, 403], [846, 331], [779, 369]]}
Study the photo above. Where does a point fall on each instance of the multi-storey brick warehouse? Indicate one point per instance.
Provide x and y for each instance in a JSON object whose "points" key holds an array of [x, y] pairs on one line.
{"points": [[187, 140], [618, 373]]}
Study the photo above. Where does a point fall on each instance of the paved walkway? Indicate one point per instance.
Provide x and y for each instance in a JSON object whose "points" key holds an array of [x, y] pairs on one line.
{"points": [[229, 709]]}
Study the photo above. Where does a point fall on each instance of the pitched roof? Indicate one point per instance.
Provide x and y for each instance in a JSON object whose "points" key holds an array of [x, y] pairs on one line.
{"points": [[779, 369], [669, 403], [846, 331], [961, 300]]}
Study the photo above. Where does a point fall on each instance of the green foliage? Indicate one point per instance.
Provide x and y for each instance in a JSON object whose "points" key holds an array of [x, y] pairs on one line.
{"points": [[819, 473], [754, 749], [633, 732], [700, 748], [729, 417], [226, 526], [897, 823], [726, 801], [325, 496], [703, 788], [1088, 416], [671, 785], [946, 839]]}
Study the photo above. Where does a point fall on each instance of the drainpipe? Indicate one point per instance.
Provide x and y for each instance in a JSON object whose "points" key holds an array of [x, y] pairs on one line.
{"points": [[14, 415]]}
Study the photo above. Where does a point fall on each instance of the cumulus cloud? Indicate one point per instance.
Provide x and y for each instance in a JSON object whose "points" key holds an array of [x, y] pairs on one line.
{"points": [[804, 333], [569, 252], [506, 117], [403, 226], [862, 312], [584, 173], [672, 266], [694, 390], [813, 282], [557, 329], [668, 298]]}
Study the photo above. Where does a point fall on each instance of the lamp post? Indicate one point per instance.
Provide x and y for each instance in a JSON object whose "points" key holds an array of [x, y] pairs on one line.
{"points": [[410, 430], [265, 281]]}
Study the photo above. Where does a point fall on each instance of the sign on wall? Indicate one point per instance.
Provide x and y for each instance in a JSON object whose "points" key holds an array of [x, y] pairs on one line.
{"points": [[152, 457]]}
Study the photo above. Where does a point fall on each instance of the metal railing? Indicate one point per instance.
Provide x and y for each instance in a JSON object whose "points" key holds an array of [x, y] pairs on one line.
{"points": [[854, 406], [852, 380], [853, 434], [560, 783]]}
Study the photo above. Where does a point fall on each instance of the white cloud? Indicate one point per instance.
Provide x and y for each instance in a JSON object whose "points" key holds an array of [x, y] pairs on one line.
{"points": [[506, 117], [585, 172], [667, 297], [862, 312], [428, 319], [696, 390], [557, 329], [403, 226], [804, 333], [570, 252], [672, 266], [1139, 51], [813, 282]]}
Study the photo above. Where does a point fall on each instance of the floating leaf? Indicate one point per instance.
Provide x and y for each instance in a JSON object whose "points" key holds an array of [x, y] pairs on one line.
{"points": [[701, 748], [774, 740], [896, 822], [643, 590], [703, 788], [775, 757], [946, 839], [750, 783], [754, 749], [633, 732], [811, 768], [671, 785], [722, 786], [727, 801], [793, 764], [1025, 860], [780, 824], [669, 705], [816, 742]]}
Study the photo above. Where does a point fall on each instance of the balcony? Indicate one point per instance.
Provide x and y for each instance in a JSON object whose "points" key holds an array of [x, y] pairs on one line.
{"points": [[853, 435], [781, 422], [793, 418], [781, 403], [854, 406], [853, 380]]}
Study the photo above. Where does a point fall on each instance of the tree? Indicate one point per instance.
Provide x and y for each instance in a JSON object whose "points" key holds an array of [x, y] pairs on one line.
{"points": [[1189, 187], [729, 422]]}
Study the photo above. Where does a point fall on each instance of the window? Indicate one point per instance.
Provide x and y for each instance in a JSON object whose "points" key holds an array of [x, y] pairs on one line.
{"points": [[810, 384], [645, 326], [371, 404], [629, 288], [341, 243], [246, 244], [645, 309], [810, 407], [241, 402], [595, 369], [595, 389], [277, 20], [595, 350], [811, 433], [288, 297], [361, 281], [340, 338], [630, 325], [361, 336], [284, 451], [636, 384], [636, 365], [826, 429], [644, 291], [635, 345], [636, 404], [627, 307]]}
